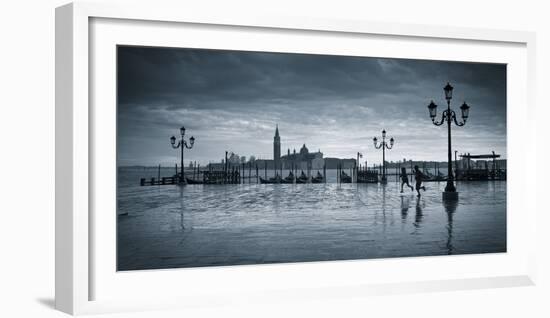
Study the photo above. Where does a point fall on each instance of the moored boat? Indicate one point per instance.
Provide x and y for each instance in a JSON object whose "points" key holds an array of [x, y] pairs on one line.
{"points": [[344, 178], [302, 178], [429, 177], [193, 181], [318, 178], [369, 176], [273, 180], [289, 179]]}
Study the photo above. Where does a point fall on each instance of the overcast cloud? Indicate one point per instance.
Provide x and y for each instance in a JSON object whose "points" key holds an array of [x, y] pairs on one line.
{"points": [[232, 100]]}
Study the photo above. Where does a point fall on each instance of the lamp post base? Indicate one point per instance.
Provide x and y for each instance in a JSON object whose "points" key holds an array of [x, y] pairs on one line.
{"points": [[383, 181], [448, 195]]}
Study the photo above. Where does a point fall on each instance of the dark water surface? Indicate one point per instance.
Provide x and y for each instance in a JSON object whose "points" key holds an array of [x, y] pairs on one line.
{"points": [[213, 225]]}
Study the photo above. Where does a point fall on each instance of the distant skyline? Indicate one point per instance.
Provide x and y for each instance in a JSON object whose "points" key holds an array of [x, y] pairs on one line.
{"points": [[232, 100]]}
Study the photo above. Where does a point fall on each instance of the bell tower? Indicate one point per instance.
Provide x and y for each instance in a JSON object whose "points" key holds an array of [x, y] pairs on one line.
{"points": [[276, 147]]}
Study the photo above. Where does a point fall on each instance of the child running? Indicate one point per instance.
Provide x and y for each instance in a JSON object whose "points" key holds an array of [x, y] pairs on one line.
{"points": [[419, 176], [405, 179]]}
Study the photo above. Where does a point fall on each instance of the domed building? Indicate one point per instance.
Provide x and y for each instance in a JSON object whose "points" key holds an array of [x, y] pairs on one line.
{"points": [[301, 160]]}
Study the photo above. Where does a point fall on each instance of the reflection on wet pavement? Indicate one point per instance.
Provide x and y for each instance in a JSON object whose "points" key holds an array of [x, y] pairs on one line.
{"points": [[212, 225]]}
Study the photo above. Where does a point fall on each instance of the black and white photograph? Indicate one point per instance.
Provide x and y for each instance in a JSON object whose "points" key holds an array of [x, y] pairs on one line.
{"points": [[275, 159], [229, 157]]}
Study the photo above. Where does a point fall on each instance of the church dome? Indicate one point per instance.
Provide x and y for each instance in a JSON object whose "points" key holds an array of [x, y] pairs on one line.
{"points": [[304, 150]]}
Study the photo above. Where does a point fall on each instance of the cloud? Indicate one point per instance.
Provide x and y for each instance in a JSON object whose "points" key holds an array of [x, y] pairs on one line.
{"points": [[232, 100]]}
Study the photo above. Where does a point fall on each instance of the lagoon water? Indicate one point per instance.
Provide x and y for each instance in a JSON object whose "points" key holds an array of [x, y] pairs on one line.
{"points": [[212, 225]]}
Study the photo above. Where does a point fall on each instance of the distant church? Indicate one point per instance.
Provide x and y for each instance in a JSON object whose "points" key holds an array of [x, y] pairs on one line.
{"points": [[301, 160]]}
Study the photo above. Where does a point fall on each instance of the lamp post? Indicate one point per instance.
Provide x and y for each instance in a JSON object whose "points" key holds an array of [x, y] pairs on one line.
{"points": [[448, 116], [384, 146], [359, 155], [182, 143]]}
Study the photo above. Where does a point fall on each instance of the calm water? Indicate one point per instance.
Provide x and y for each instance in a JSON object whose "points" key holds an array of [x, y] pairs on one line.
{"points": [[213, 225]]}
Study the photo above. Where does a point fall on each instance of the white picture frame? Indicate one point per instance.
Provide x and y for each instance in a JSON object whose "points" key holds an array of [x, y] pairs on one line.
{"points": [[78, 170]]}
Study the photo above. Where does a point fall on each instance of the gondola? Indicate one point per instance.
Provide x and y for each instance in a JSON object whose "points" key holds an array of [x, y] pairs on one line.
{"points": [[274, 180], [344, 178], [440, 177], [192, 181], [428, 177], [367, 176], [318, 178], [289, 178], [302, 178], [368, 180]]}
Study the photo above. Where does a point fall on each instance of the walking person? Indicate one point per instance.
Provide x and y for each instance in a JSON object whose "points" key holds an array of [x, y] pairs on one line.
{"points": [[419, 176], [405, 179]]}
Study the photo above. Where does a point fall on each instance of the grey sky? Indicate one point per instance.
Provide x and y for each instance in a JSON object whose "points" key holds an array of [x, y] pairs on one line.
{"points": [[231, 100]]}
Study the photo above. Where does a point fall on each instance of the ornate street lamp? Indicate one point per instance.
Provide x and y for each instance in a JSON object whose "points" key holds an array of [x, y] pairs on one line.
{"points": [[448, 116], [384, 145], [182, 143]]}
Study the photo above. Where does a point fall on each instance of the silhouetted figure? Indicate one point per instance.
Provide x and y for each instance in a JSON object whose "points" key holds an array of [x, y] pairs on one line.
{"points": [[419, 176], [405, 179]]}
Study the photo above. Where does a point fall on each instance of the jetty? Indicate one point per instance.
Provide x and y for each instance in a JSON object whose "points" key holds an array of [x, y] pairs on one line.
{"points": [[483, 173], [260, 173]]}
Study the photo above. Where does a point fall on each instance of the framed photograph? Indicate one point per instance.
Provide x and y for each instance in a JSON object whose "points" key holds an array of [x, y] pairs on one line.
{"points": [[274, 158]]}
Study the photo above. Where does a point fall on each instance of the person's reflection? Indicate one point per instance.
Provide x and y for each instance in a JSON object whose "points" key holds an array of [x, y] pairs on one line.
{"points": [[450, 208], [404, 207], [418, 216]]}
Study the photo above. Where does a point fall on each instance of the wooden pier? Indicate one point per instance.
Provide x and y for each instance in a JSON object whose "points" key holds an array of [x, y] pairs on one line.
{"points": [[251, 173], [157, 181], [481, 174]]}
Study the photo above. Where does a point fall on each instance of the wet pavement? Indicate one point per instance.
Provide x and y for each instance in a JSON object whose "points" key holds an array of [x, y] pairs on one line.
{"points": [[213, 225]]}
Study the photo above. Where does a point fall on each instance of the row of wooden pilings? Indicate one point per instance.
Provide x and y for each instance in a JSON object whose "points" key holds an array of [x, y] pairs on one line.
{"points": [[250, 173]]}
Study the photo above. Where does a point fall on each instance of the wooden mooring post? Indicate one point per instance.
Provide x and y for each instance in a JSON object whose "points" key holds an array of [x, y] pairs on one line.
{"points": [[158, 173]]}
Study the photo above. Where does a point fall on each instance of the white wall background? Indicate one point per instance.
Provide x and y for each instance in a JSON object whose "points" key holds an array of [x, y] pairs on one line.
{"points": [[27, 159]]}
